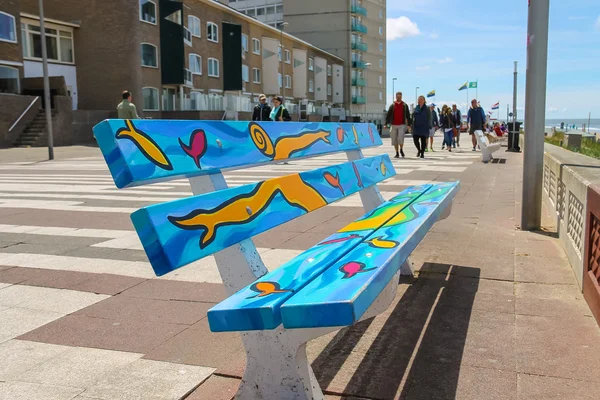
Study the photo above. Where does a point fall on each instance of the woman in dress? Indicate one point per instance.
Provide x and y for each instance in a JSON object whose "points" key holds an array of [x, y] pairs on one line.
{"points": [[421, 126]]}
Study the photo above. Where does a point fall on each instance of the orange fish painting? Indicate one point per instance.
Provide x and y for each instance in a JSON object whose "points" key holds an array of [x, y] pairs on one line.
{"points": [[267, 288], [285, 146], [341, 134], [334, 181]]}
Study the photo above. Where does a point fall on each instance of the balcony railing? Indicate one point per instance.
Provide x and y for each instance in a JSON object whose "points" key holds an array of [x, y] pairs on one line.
{"points": [[356, 9], [359, 82], [359, 100], [187, 36], [357, 27], [359, 64], [360, 46], [188, 78]]}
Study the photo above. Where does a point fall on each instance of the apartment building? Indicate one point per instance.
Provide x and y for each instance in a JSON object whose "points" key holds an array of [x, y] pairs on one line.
{"points": [[189, 55], [268, 11], [354, 30]]}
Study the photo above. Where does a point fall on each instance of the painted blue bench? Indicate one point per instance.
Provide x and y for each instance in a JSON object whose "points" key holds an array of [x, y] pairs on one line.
{"points": [[350, 276]]}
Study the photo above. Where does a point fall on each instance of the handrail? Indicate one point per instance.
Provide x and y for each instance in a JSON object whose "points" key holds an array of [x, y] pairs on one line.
{"points": [[224, 115], [24, 112]]}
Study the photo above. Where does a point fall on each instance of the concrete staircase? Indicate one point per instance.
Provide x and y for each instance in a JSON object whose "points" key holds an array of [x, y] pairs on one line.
{"points": [[34, 131]]}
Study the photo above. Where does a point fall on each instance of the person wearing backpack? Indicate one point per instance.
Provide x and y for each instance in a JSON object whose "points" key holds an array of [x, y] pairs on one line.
{"points": [[476, 121]]}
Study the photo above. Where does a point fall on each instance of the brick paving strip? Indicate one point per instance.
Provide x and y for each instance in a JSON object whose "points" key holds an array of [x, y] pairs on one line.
{"points": [[494, 313]]}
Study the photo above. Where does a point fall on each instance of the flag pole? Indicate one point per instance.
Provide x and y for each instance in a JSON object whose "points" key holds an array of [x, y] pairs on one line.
{"points": [[477, 89]]}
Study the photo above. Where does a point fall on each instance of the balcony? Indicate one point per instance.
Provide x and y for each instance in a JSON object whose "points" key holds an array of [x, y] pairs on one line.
{"points": [[355, 9], [188, 78], [357, 27], [359, 82], [359, 100], [187, 36], [360, 46], [359, 64]]}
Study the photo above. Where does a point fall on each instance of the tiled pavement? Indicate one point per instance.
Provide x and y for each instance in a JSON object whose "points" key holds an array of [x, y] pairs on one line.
{"points": [[494, 313]]}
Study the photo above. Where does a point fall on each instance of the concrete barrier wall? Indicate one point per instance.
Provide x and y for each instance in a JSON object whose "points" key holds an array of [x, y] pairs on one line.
{"points": [[11, 107], [571, 190]]}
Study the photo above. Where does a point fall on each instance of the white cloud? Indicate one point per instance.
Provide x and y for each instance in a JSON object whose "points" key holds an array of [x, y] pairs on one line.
{"points": [[400, 28], [552, 110], [434, 35], [565, 110], [446, 60], [598, 24], [423, 68]]}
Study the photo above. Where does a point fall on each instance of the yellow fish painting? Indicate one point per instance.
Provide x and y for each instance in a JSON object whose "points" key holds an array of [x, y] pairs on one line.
{"points": [[381, 243], [246, 207], [355, 135], [383, 168], [285, 146], [145, 144]]}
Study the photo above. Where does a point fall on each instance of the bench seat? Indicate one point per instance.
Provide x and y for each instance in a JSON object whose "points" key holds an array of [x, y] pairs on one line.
{"points": [[487, 148], [297, 292]]}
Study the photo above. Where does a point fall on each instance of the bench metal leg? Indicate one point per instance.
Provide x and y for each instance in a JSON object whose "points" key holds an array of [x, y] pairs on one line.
{"points": [[371, 197]]}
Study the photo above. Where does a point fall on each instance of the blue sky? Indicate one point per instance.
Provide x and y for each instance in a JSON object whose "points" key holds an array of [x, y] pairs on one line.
{"points": [[441, 44]]}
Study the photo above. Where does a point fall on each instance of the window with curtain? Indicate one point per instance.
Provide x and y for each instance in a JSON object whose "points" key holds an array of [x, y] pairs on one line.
{"points": [[195, 62], [213, 67], [194, 26], [59, 43], [256, 46], [149, 56], [8, 28], [256, 75], [148, 11], [212, 32]]}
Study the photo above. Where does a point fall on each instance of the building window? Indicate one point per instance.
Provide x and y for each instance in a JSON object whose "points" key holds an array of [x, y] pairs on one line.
{"points": [[260, 11], [195, 62], [148, 11], [245, 73], [8, 28], [328, 70], [329, 89], [149, 56], [150, 96], [9, 80], [311, 64], [251, 12], [380, 96], [381, 30], [380, 63], [244, 43], [256, 46], [380, 14], [311, 86], [255, 75], [279, 53], [270, 10], [212, 32], [279, 79], [380, 80], [288, 82], [279, 9], [380, 46], [288, 57], [213, 67], [59, 43], [176, 17], [194, 26]]}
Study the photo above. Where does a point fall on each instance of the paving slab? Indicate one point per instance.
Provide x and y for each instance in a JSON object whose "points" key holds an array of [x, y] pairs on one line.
{"points": [[199, 346], [183, 291], [78, 367], [125, 308], [536, 387], [148, 379], [20, 356], [556, 347], [54, 278], [17, 321], [557, 270], [29, 391], [47, 299], [100, 333], [216, 388], [107, 284]]}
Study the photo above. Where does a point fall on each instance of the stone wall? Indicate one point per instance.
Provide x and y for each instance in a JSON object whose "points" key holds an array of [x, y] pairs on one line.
{"points": [[11, 107]]}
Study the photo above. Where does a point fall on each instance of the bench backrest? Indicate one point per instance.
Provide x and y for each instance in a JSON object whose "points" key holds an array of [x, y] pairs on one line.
{"points": [[148, 151], [179, 232]]}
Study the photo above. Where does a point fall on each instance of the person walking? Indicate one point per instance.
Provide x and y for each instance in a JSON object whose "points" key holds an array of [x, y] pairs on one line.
{"points": [[458, 119], [421, 126], [398, 119], [126, 109], [476, 121], [262, 111], [279, 112], [435, 123], [448, 126]]}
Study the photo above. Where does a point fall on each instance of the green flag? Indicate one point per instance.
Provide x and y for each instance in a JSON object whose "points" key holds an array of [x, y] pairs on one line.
{"points": [[472, 85]]}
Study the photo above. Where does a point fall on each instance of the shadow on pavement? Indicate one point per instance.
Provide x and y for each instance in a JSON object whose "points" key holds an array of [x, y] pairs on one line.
{"points": [[417, 351]]}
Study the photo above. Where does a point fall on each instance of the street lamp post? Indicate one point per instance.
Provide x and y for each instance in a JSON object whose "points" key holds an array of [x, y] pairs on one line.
{"points": [[416, 95], [394, 87], [47, 103], [282, 25]]}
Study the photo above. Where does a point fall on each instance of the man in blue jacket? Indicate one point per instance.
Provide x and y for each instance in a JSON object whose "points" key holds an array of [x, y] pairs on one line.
{"points": [[476, 121]]}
